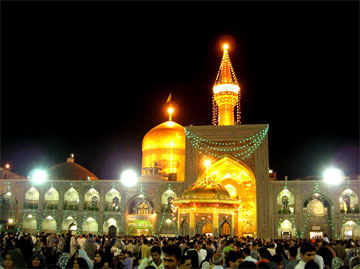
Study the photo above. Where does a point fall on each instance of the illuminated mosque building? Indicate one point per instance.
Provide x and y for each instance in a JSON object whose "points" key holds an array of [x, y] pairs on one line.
{"points": [[211, 179]]}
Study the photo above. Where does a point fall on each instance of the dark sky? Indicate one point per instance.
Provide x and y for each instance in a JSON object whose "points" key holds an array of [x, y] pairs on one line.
{"points": [[91, 78]]}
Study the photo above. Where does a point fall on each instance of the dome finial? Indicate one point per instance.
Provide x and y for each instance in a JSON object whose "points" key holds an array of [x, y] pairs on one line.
{"points": [[170, 111], [226, 46]]}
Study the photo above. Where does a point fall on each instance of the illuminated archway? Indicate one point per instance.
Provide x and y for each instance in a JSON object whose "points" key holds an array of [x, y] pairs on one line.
{"points": [[32, 198], [240, 182], [286, 228], [90, 226], [349, 202], [92, 199], [71, 199], [285, 202], [30, 223], [112, 200], [51, 199], [108, 223], [67, 222], [351, 230], [49, 224]]}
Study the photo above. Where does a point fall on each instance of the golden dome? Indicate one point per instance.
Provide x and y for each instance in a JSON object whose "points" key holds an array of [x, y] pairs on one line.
{"points": [[206, 188], [166, 135], [164, 147]]}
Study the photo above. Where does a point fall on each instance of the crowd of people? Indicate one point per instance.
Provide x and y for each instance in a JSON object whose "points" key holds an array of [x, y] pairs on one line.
{"points": [[25, 250]]}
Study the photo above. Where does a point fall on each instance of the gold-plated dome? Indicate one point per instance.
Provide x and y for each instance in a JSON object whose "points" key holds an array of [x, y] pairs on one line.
{"points": [[164, 147], [206, 188]]}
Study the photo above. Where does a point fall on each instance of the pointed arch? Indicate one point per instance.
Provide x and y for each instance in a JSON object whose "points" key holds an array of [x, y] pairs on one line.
{"points": [[166, 195], [317, 205], [51, 199], [67, 222], [285, 201], [71, 199], [29, 224], [286, 227], [351, 229], [32, 198], [349, 201], [140, 204], [225, 228], [112, 200], [90, 226], [49, 224], [184, 228], [92, 200], [108, 223]]}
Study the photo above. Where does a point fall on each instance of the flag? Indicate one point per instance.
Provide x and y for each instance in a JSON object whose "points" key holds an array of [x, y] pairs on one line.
{"points": [[169, 98]]}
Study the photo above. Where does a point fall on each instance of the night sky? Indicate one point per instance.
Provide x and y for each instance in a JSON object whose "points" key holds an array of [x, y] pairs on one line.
{"points": [[91, 78]]}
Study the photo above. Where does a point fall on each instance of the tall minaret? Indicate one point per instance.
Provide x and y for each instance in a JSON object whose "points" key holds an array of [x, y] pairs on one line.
{"points": [[226, 92]]}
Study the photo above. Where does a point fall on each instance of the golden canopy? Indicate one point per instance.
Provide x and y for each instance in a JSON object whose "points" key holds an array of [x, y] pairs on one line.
{"points": [[206, 188], [164, 147]]}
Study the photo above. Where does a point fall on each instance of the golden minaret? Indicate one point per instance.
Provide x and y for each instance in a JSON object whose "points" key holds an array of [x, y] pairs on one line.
{"points": [[226, 91]]}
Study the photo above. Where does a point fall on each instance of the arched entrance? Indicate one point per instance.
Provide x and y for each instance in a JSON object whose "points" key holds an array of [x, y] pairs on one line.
{"points": [[207, 228], [240, 182], [112, 230], [225, 228], [184, 228]]}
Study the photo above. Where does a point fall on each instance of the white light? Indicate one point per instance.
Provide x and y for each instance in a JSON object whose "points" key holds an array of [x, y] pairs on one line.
{"points": [[270, 171], [29, 216], [333, 176], [10, 221], [8, 193], [141, 195], [226, 88], [168, 221], [38, 176], [128, 178], [69, 217], [49, 217]]}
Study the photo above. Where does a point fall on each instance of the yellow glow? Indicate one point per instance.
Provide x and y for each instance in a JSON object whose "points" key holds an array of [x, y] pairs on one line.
{"points": [[231, 189], [10, 221], [7, 166], [226, 46], [207, 163], [238, 180], [164, 147], [170, 110], [168, 221]]}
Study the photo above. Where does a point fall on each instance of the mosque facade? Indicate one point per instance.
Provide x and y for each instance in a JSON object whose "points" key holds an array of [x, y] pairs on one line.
{"points": [[211, 179]]}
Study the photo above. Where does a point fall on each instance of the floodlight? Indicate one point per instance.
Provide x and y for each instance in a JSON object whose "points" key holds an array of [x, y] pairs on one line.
{"points": [[128, 178], [333, 176], [38, 176]]}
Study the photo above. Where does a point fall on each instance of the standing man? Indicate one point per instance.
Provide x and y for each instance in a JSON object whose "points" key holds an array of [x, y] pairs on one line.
{"points": [[307, 253], [172, 257]]}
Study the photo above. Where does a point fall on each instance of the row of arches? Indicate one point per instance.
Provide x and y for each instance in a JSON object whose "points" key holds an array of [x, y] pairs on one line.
{"points": [[317, 205], [91, 200], [90, 225], [205, 227], [349, 229]]}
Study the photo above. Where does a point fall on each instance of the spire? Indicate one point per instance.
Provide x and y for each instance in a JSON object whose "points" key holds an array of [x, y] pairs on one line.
{"points": [[226, 93], [226, 74]]}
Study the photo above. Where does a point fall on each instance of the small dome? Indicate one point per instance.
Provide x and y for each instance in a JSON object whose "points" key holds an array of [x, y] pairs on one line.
{"points": [[70, 171], [206, 188]]}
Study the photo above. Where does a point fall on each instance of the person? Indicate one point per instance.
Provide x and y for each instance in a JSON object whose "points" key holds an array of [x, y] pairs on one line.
{"points": [[326, 239], [255, 251], [155, 260], [325, 253], [247, 254], [201, 251], [293, 261], [218, 261], [307, 253], [89, 246], [311, 265], [186, 262], [193, 254], [14, 259], [128, 261], [81, 241], [37, 261], [247, 264], [340, 252], [80, 263], [264, 256], [233, 259], [130, 246], [145, 249], [278, 260], [98, 260], [172, 256]]}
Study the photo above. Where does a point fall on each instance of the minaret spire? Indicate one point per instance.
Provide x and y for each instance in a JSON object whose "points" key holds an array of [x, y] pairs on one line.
{"points": [[226, 91]]}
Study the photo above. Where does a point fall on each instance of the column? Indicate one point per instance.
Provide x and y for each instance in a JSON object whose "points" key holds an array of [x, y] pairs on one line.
{"points": [[192, 224], [215, 224], [232, 225]]}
